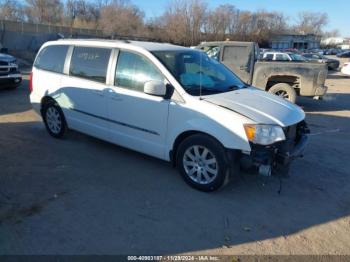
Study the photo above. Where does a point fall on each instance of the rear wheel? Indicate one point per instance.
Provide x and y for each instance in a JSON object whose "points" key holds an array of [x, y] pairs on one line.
{"points": [[202, 162], [285, 91], [54, 120]]}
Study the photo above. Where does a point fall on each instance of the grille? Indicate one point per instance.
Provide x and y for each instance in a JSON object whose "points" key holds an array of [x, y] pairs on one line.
{"points": [[291, 132], [2, 63]]}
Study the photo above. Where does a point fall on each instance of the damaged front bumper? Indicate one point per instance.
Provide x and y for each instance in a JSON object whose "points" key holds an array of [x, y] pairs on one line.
{"points": [[267, 158], [284, 158]]}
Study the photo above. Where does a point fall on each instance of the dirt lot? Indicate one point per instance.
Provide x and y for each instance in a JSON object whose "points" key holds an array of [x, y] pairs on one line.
{"points": [[84, 196]]}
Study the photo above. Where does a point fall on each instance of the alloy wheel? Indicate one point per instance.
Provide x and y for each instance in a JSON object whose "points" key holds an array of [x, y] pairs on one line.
{"points": [[53, 120], [282, 94], [200, 164]]}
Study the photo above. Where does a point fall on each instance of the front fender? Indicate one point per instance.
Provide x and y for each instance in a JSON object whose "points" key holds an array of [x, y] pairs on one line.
{"points": [[231, 134]]}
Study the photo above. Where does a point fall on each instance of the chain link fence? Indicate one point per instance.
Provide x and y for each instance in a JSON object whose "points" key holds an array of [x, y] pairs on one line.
{"points": [[23, 27], [24, 39]]}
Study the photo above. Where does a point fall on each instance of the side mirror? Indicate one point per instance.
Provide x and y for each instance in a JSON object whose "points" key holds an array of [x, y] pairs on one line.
{"points": [[155, 88]]}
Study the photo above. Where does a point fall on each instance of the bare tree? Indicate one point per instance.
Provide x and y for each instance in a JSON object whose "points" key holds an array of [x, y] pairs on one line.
{"points": [[221, 22], [71, 12], [11, 10], [333, 33], [121, 18], [155, 29], [184, 21], [311, 23], [44, 11], [264, 24], [80, 13]]}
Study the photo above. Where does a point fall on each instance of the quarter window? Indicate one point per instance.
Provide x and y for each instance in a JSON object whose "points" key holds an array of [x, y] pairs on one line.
{"points": [[133, 71], [52, 58], [90, 63]]}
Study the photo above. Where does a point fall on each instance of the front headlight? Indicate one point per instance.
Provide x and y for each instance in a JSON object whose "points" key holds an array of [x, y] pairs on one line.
{"points": [[264, 134], [13, 65]]}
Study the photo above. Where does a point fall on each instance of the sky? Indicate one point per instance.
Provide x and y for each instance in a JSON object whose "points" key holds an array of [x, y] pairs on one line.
{"points": [[338, 10]]}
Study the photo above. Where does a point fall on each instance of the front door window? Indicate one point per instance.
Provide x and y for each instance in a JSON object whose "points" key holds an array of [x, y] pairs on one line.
{"points": [[134, 70]]}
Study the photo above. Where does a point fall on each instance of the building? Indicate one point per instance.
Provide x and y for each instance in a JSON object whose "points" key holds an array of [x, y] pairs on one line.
{"points": [[339, 42], [295, 41]]}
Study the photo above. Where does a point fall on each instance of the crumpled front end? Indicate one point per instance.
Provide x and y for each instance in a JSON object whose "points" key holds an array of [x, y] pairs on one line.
{"points": [[266, 159]]}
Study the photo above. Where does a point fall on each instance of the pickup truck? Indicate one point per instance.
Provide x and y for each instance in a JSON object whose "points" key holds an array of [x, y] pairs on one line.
{"points": [[285, 79], [10, 76]]}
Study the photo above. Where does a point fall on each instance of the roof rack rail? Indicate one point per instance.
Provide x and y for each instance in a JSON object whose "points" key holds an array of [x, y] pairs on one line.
{"points": [[128, 39], [122, 38]]}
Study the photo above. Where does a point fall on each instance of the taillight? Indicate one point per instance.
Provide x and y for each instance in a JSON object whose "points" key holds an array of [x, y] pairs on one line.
{"points": [[31, 82]]}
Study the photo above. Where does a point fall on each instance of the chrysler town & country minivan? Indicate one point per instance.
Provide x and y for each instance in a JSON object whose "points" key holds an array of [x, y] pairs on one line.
{"points": [[167, 101]]}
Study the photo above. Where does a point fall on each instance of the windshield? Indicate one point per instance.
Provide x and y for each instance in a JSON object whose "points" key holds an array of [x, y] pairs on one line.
{"points": [[197, 73], [297, 57]]}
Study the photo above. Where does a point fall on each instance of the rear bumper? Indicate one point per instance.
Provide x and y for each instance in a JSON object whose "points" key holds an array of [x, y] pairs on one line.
{"points": [[36, 103], [321, 90]]}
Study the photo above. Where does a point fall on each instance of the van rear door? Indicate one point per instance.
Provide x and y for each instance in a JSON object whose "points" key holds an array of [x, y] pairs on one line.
{"points": [[83, 87]]}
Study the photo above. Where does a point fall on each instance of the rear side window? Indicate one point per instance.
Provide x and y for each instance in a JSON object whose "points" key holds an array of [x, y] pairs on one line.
{"points": [[236, 54], [90, 63], [269, 57], [52, 58]]}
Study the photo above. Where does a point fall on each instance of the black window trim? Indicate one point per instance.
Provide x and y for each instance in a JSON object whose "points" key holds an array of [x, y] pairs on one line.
{"points": [[69, 62]]}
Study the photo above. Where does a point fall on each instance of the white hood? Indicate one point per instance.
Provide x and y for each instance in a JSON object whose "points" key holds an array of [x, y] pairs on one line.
{"points": [[260, 106], [6, 57]]}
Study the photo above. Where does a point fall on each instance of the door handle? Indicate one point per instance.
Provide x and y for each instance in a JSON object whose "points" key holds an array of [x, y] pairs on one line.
{"points": [[243, 67], [113, 95]]}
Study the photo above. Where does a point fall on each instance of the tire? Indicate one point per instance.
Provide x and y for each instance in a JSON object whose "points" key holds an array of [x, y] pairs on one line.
{"points": [[54, 119], [285, 91], [203, 163]]}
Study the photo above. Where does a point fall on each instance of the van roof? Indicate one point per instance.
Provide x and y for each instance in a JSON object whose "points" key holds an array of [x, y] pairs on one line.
{"points": [[150, 46]]}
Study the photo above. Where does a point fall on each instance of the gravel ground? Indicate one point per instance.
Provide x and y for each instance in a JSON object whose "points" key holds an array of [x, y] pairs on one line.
{"points": [[81, 195]]}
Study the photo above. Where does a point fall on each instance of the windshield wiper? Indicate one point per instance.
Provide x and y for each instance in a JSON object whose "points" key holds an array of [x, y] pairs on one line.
{"points": [[198, 90], [235, 87]]}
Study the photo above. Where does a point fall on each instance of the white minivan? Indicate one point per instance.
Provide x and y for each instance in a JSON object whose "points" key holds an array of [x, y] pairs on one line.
{"points": [[167, 101]]}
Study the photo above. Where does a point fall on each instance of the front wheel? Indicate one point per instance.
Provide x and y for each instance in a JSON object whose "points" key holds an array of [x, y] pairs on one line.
{"points": [[285, 91], [54, 120], [202, 162]]}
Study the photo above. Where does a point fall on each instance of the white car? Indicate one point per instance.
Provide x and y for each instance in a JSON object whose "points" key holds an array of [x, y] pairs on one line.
{"points": [[346, 69], [167, 101], [280, 56]]}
